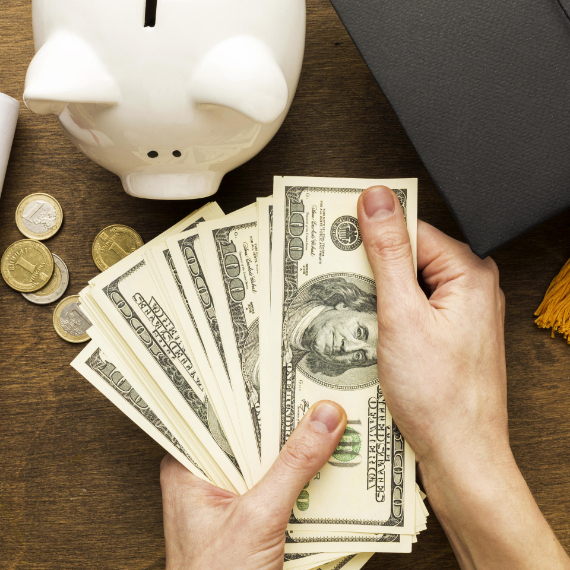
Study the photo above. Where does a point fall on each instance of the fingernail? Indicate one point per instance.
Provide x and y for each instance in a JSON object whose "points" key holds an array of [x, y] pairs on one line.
{"points": [[326, 417], [379, 202]]}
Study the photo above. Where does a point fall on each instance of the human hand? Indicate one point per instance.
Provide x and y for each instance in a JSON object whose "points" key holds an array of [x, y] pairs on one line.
{"points": [[441, 360], [207, 527], [441, 365]]}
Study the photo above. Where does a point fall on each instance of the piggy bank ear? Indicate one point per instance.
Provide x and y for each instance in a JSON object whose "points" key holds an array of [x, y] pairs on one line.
{"points": [[66, 70], [242, 74]]}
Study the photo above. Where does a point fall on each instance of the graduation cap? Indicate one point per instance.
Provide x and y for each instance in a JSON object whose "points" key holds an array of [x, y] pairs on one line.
{"points": [[482, 89]]}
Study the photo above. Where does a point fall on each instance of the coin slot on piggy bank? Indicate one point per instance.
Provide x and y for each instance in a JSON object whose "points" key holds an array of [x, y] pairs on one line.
{"points": [[172, 111], [150, 13]]}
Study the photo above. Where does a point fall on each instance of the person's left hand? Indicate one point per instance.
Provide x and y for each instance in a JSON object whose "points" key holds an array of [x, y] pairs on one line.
{"points": [[207, 527]]}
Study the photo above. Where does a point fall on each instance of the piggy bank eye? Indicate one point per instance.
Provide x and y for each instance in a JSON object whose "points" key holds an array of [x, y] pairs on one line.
{"points": [[150, 13], [152, 154], [177, 154]]}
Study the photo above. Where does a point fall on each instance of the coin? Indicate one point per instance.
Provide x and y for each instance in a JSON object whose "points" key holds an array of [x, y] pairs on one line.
{"points": [[70, 322], [27, 265], [113, 244], [39, 216], [56, 286]]}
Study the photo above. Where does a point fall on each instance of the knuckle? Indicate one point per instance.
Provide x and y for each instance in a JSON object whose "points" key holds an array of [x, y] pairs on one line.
{"points": [[492, 269], [389, 245], [489, 275], [300, 453], [464, 249], [502, 302], [483, 275], [466, 259]]}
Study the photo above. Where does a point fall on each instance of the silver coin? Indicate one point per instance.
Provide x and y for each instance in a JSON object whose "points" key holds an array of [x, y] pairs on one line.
{"points": [[55, 287], [39, 216], [74, 321]]}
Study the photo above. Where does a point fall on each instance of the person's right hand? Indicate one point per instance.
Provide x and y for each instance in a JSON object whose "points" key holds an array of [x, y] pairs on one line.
{"points": [[441, 365], [441, 360]]}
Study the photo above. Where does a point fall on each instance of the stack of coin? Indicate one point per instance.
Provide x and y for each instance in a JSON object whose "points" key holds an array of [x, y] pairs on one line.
{"points": [[27, 265], [42, 277], [55, 287]]}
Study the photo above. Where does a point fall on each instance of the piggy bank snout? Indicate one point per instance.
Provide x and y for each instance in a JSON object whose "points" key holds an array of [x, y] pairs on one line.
{"points": [[172, 186], [167, 156]]}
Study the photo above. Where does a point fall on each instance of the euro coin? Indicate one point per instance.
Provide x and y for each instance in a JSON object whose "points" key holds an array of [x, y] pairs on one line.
{"points": [[56, 286], [39, 216], [27, 265], [113, 244], [70, 322]]}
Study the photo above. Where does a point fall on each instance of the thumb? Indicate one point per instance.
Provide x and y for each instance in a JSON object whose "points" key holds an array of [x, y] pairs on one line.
{"points": [[307, 450], [387, 243]]}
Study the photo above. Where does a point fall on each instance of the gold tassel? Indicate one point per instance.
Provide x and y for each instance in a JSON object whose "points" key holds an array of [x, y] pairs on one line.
{"points": [[554, 311]]}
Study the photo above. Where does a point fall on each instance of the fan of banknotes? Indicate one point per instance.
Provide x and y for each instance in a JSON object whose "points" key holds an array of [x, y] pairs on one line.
{"points": [[217, 336]]}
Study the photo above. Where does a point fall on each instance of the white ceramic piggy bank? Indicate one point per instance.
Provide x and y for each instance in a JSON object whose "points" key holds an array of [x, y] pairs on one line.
{"points": [[168, 94]]}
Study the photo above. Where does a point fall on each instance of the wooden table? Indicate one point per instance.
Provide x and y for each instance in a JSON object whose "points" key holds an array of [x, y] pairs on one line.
{"points": [[78, 481]]}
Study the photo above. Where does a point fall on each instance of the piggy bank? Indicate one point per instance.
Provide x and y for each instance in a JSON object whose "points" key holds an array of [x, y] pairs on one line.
{"points": [[167, 94]]}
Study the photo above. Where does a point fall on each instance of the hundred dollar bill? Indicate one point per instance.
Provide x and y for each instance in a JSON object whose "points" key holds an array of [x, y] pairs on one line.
{"points": [[320, 562], [264, 223], [105, 328], [106, 375], [303, 541], [158, 259], [135, 308], [352, 562], [230, 247], [179, 297], [108, 339], [310, 561], [188, 257], [167, 279], [324, 347], [421, 512]]}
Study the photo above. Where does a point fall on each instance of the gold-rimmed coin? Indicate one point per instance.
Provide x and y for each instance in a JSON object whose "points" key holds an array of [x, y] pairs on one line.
{"points": [[56, 286], [27, 265], [39, 216], [113, 244], [70, 322]]}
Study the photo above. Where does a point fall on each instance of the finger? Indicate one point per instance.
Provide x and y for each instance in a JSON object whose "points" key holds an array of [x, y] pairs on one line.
{"points": [[387, 242], [434, 245], [307, 450], [443, 260]]}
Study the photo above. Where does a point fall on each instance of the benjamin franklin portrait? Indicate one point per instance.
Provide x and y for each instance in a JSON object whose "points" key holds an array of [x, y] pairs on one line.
{"points": [[331, 330]]}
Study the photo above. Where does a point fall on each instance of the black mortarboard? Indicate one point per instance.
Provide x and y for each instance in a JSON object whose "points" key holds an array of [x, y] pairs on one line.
{"points": [[482, 88]]}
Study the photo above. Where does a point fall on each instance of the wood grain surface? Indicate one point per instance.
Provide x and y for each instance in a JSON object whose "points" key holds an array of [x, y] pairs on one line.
{"points": [[79, 483]]}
